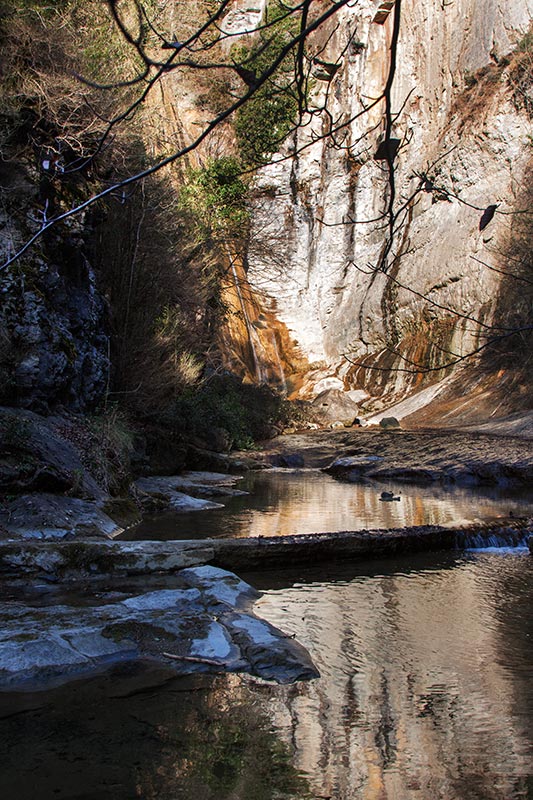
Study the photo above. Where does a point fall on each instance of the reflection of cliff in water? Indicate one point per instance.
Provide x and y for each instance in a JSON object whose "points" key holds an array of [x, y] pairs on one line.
{"points": [[192, 739], [424, 692]]}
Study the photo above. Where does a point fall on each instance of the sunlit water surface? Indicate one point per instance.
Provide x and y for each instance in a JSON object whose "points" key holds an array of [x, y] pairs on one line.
{"points": [[425, 693], [285, 502]]}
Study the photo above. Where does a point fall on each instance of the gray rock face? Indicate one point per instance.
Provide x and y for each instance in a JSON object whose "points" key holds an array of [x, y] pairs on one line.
{"points": [[72, 560], [202, 625], [34, 457], [48, 516], [320, 208], [55, 344]]}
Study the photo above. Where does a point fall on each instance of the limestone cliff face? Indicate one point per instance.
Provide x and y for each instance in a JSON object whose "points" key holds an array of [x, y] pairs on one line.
{"points": [[323, 204]]}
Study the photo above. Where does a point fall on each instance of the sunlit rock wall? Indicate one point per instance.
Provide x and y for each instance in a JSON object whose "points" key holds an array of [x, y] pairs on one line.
{"points": [[320, 205]]}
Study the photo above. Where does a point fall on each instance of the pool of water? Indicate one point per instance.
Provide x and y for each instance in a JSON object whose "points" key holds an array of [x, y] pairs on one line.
{"points": [[284, 502], [426, 693]]}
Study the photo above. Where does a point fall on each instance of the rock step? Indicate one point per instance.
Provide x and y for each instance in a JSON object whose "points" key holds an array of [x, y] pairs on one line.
{"points": [[69, 560]]}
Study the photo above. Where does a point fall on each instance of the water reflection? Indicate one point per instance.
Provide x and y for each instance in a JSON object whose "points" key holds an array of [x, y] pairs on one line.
{"points": [[194, 739], [426, 686], [283, 502], [425, 693]]}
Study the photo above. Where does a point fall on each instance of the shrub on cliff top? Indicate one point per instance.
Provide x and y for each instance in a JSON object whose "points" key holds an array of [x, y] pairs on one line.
{"points": [[270, 114], [521, 73]]}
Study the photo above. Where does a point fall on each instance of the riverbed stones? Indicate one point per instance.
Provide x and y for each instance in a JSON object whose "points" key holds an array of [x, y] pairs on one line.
{"points": [[418, 457]]}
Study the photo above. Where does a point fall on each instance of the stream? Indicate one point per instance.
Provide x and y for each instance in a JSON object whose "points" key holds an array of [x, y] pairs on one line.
{"points": [[425, 692], [285, 502], [425, 688]]}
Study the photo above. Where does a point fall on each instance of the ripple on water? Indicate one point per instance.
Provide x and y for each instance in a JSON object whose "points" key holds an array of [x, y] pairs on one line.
{"points": [[425, 687]]}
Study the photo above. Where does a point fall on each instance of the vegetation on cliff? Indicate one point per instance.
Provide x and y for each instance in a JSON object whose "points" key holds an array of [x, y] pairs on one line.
{"points": [[151, 252]]}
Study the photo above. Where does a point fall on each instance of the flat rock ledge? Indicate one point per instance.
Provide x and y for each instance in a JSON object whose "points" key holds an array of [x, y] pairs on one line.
{"points": [[64, 561], [203, 625]]}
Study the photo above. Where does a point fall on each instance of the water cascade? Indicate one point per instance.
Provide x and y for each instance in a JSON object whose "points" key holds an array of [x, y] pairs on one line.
{"points": [[481, 540]]}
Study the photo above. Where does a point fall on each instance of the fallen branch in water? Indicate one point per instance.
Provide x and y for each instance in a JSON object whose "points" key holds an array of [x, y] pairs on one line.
{"points": [[194, 659]]}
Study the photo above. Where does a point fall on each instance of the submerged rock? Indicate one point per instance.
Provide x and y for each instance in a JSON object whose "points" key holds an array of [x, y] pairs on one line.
{"points": [[203, 625]]}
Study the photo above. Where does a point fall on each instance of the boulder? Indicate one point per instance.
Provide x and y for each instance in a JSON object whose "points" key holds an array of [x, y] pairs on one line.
{"points": [[332, 406], [389, 423], [48, 516], [353, 468]]}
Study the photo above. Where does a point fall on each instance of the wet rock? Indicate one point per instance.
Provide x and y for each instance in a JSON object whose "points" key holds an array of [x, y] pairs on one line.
{"points": [[208, 484], [221, 586], [185, 629], [48, 516], [289, 460], [272, 654], [90, 558], [167, 488], [353, 468]]}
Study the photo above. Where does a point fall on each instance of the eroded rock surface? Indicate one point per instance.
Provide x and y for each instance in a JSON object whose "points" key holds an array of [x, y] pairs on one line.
{"points": [[49, 516], [188, 492], [35, 457], [413, 457], [204, 624]]}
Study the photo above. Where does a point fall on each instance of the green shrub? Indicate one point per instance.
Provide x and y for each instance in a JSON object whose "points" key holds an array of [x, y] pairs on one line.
{"points": [[215, 197], [521, 74], [271, 113], [244, 412]]}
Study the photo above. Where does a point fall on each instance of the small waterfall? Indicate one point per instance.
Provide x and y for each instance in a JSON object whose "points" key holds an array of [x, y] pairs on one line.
{"points": [[506, 537], [252, 333], [275, 348]]}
